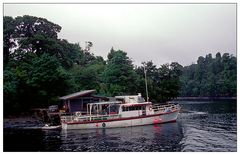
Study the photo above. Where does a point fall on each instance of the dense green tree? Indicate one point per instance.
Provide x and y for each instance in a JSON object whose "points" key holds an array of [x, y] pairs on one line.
{"points": [[27, 32], [33, 82], [89, 76], [119, 76], [211, 77], [169, 84], [37, 35], [47, 78], [34, 63], [163, 82]]}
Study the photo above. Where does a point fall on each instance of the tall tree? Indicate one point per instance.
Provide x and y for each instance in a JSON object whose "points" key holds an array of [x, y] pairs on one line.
{"points": [[119, 77], [34, 63]]}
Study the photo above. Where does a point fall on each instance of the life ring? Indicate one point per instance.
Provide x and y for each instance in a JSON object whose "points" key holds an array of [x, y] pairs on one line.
{"points": [[150, 108], [78, 114], [104, 125], [63, 118]]}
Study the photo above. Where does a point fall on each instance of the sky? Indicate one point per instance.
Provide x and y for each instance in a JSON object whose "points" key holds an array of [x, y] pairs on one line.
{"points": [[162, 33]]}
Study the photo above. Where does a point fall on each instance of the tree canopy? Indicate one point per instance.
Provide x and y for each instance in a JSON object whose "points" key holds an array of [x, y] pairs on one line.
{"points": [[119, 77], [213, 77], [39, 67]]}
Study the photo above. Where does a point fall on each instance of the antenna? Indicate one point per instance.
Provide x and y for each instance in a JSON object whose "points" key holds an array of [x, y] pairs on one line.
{"points": [[145, 72]]}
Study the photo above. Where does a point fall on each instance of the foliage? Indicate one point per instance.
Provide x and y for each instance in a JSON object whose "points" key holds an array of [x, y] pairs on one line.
{"points": [[39, 67], [213, 77], [119, 76], [35, 63], [163, 82]]}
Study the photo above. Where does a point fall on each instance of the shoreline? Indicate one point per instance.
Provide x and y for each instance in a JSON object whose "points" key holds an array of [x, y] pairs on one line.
{"points": [[204, 98]]}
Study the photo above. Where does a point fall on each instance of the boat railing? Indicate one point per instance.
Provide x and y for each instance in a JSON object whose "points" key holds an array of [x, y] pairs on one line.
{"points": [[164, 108], [83, 118]]}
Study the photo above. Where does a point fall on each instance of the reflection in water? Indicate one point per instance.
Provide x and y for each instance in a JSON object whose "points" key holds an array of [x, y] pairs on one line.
{"points": [[142, 138], [201, 126]]}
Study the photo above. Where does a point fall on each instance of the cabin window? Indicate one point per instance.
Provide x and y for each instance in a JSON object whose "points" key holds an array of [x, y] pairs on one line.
{"points": [[133, 108], [140, 99], [114, 109]]}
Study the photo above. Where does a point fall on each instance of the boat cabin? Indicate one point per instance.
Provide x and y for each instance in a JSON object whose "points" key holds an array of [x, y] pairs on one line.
{"points": [[78, 101], [125, 106]]}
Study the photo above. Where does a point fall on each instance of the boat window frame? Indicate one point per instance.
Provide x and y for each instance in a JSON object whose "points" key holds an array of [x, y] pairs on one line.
{"points": [[133, 108]]}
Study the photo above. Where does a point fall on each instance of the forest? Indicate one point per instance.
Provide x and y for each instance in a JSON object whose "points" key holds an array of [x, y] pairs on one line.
{"points": [[210, 77], [39, 67]]}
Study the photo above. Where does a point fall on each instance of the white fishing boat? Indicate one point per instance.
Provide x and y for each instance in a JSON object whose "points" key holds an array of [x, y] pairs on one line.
{"points": [[125, 111]]}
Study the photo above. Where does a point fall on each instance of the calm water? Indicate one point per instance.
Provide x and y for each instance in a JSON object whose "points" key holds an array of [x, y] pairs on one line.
{"points": [[202, 126]]}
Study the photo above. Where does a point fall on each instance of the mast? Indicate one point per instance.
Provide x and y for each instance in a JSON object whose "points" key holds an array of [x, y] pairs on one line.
{"points": [[145, 72]]}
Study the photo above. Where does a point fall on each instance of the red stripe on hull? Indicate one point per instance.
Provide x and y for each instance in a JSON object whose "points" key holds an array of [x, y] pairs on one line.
{"points": [[120, 119]]}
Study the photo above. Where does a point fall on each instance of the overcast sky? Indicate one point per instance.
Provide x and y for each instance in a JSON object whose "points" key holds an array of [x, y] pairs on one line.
{"points": [[162, 33]]}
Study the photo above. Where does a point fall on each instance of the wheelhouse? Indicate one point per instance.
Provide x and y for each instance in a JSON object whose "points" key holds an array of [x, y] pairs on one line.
{"points": [[103, 108]]}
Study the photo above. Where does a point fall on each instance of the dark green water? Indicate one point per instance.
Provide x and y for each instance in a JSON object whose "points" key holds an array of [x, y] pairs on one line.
{"points": [[201, 126]]}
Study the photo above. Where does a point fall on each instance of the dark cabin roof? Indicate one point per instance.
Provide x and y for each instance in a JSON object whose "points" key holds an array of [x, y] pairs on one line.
{"points": [[77, 94]]}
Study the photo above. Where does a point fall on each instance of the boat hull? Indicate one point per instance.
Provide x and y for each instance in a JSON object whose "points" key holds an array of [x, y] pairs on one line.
{"points": [[124, 122]]}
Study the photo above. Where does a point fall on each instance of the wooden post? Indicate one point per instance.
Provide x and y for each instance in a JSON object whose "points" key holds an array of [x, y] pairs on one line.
{"points": [[82, 103], [97, 110], [69, 106], [87, 109], [90, 109]]}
